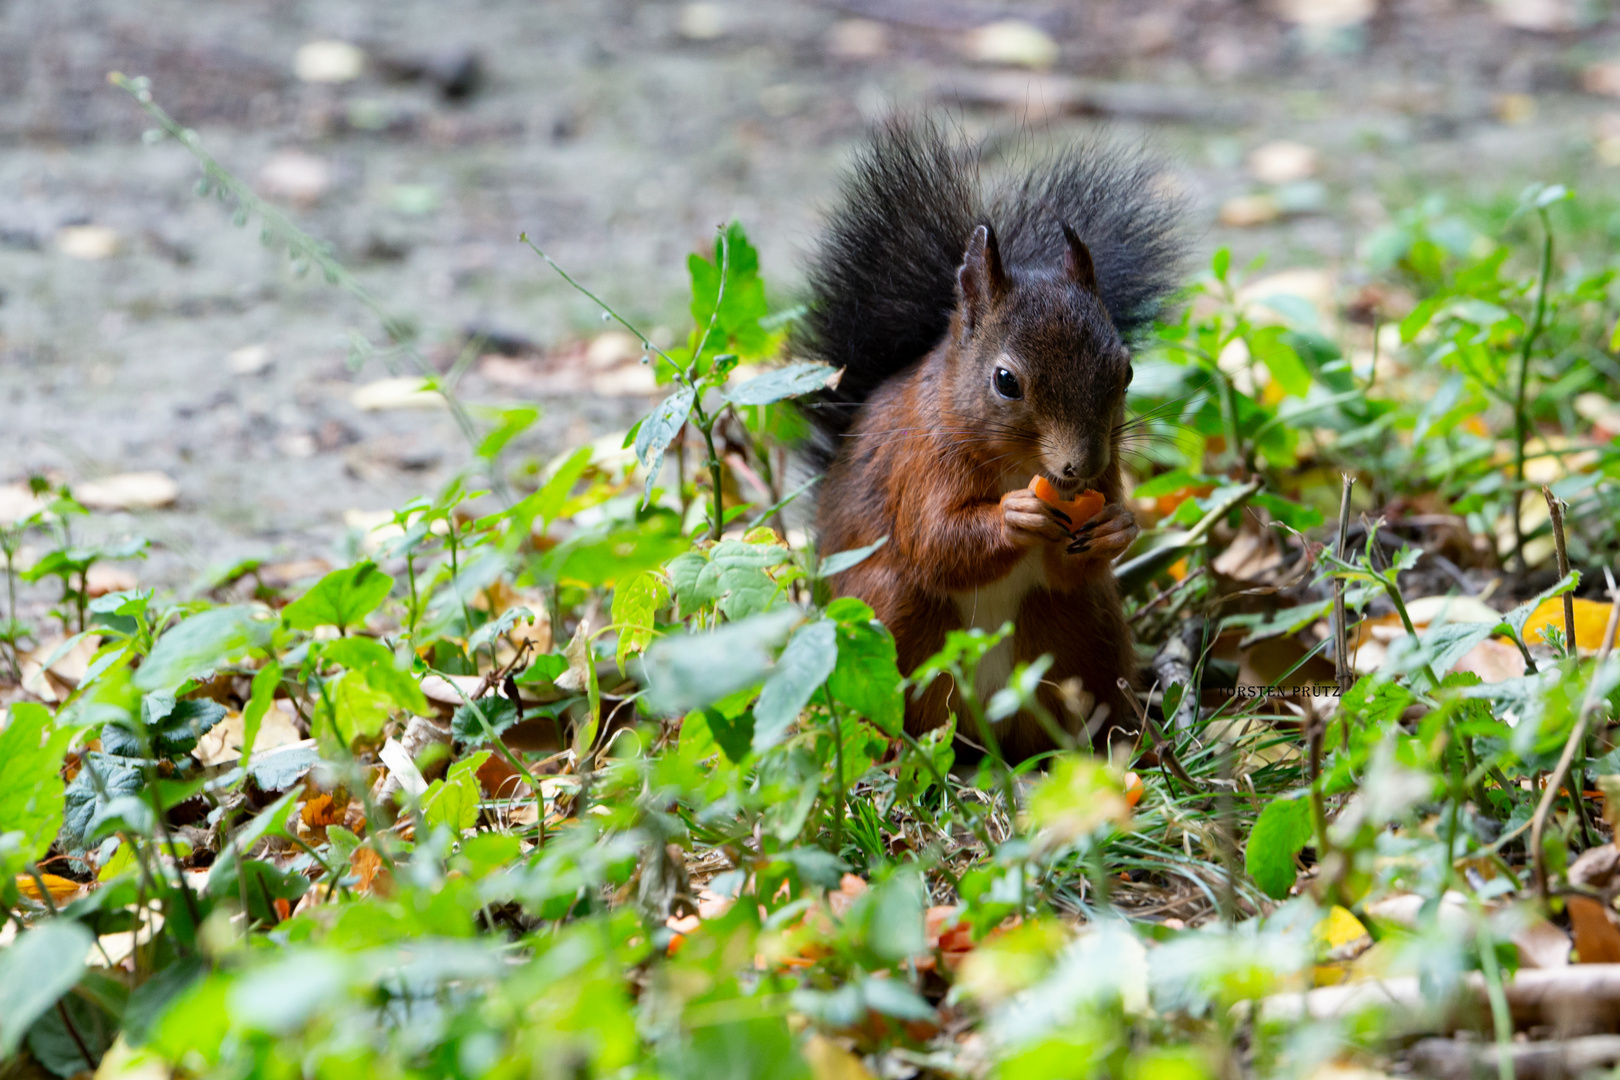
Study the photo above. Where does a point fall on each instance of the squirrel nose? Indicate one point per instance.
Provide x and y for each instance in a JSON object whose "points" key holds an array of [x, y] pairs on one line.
{"points": [[1069, 471]]}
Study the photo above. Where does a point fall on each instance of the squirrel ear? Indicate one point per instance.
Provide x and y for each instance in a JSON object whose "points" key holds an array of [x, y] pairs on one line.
{"points": [[981, 277], [1077, 262]]}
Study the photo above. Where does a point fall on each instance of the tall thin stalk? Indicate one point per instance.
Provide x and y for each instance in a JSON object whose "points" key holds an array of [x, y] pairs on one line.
{"points": [[1521, 412]]}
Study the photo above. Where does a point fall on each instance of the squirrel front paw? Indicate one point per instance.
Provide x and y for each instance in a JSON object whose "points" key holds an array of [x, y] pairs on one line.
{"points": [[1106, 536], [1028, 520]]}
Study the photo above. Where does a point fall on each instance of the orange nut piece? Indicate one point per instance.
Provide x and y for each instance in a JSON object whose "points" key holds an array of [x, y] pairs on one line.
{"points": [[1081, 509]]}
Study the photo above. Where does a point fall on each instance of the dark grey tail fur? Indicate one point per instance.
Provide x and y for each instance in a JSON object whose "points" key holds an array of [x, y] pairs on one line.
{"points": [[882, 284]]}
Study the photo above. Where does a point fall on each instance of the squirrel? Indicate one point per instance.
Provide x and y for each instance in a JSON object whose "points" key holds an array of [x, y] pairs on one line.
{"points": [[984, 335]]}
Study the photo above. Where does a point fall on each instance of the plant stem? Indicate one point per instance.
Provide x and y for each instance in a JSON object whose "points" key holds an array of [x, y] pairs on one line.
{"points": [[1577, 735], [838, 773], [1521, 416]]}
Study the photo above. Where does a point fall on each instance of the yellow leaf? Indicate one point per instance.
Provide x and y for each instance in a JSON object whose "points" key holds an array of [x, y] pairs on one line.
{"points": [[61, 888], [1591, 620], [1340, 935], [829, 1061]]}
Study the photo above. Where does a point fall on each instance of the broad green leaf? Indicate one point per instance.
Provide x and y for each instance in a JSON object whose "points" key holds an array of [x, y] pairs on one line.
{"points": [[657, 431], [342, 598], [866, 679], [805, 664], [1281, 833], [357, 709], [635, 603], [513, 422], [737, 576], [792, 381], [375, 662], [31, 787], [88, 803], [453, 801], [198, 644], [37, 969], [692, 671], [271, 821]]}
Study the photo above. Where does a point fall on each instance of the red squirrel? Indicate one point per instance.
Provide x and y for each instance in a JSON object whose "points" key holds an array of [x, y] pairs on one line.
{"points": [[984, 337]]}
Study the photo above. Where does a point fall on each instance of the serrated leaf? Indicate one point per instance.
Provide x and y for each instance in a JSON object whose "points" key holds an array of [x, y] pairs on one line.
{"points": [[86, 802], [453, 801], [635, 603], [866, 679], [375, 662], [342, 598]]}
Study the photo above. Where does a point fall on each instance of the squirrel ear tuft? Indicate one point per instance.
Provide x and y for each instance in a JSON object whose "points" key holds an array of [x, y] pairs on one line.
{"points": [[1077, 262], [981, 278]]}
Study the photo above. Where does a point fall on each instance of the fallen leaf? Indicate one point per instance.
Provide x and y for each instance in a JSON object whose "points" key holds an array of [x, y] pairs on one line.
{"points": [[1597, 941], [829, 1061], [61, 888], [368, 867], [1591, 621], [1325, 14], [128, 491], [1282, 162], [248, 360], [1542, 945], [91, 243], [858, 39], [1493, 660], [328, 62], [1014, 43], [296, 176], [1247, 211], [402, 392]]}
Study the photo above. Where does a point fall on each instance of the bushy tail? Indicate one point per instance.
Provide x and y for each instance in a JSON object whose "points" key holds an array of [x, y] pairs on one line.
{"points": [[882, 284]]}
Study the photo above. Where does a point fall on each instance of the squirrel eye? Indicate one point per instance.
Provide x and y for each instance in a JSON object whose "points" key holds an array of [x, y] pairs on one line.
{"points": [[1006, 384], [1130, 373]]}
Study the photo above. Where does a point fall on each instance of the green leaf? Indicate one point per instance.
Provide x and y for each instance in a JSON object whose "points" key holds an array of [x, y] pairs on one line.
{"points": [[375, 662], [1281, 833], [792, 381], [683, 673], [866, 679], [736, 576], [896, 928], [1220, 263], [40, 966], [658, 429], [357, 710], [1281, 360], [198, 644], [453, 801], [545, 504], [86, 806], [733, 734], [808, 660], [840, 561], [271, 821], [31, 787], [635, 603], [263, 694], [514, 422], [342, 598]]}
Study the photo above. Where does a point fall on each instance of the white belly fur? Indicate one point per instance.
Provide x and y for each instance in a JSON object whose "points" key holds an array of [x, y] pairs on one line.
{"points": [[988, 606]]}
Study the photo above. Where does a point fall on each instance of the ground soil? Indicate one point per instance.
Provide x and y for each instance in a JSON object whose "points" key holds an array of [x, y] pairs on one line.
{"points": [[618, 135]]}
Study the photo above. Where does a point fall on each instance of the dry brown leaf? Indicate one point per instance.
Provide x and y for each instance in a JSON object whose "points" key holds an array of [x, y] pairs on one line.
{"points": [[1493, 660], [374, 876], [1542, 945], [1597, 941]]}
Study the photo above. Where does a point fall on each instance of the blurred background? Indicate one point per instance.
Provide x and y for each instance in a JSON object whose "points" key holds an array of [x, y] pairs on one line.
{"points": [[197, 391]]}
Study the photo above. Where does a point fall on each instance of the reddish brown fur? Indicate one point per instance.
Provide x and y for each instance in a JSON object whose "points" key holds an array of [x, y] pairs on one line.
{"points": [[927, 463]]}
